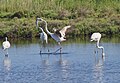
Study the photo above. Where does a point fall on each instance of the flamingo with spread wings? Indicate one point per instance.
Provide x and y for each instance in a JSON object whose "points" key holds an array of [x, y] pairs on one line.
{"points": [[58, 35]]}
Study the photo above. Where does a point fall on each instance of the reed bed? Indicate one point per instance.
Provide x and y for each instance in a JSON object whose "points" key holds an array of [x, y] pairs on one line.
{"points": [[38, 6], [86, 16]]}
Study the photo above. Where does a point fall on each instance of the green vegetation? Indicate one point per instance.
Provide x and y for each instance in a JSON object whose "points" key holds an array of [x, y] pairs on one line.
{"points": [[17, 17]]}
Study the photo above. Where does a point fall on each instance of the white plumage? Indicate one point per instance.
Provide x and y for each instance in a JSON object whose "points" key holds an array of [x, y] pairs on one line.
{"points": [[58, 35], [43, 36], [6, 44], [61, 32], [96, 37]]}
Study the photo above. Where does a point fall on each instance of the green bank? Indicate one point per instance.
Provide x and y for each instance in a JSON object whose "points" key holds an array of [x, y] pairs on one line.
{"points": [[17, 17]]}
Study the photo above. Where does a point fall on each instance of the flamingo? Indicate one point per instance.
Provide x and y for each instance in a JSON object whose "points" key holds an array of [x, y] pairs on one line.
{"points": [[6, 45], [58, 35], [96, 37], [43, 35]]}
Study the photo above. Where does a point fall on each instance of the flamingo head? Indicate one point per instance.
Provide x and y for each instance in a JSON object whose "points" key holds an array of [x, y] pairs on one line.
{"points": [[6, 38], [68, 26], [39, 19], [54, 29]]}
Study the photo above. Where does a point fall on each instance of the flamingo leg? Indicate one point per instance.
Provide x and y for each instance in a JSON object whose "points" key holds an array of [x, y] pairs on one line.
{"points": [[48, 49], [6, 52], [41, 47], [59, 48], [96, 53], [95, 49], [41, 50]]}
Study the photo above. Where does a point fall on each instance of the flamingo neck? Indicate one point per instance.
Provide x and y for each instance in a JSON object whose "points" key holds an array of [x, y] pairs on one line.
{"points": [[47, 28], [100, 47], [41, 29], [37, 23], [98, 43], [6, 38]]}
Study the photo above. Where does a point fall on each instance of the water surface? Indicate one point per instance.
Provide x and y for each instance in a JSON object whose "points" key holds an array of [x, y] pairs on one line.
{"points": [[79, 64]]}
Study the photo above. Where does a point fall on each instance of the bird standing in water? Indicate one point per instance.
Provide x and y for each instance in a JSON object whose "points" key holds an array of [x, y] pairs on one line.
{"points": [[6, 45], [43, 35], [58, 35], [96, 37]]}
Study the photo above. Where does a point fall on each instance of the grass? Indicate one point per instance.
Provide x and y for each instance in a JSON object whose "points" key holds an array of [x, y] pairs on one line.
{"points": [[86, 16]]}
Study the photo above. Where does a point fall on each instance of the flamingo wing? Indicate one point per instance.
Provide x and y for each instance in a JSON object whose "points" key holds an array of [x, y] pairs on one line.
{"points": [[62, 31], [57, 32]]}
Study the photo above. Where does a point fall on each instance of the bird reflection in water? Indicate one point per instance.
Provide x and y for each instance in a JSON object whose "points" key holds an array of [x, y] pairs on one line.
{"points": [[61, 61], [7, 68], [63, 67], [98, 71], [45, 59], [99, 60], [7, 63]]}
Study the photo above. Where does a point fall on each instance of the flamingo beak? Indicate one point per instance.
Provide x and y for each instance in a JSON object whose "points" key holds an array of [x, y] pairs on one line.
{"points": [[68, 26]]}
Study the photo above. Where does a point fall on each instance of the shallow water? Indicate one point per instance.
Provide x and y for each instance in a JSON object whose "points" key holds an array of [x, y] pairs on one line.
{"points": [[77, 64]]}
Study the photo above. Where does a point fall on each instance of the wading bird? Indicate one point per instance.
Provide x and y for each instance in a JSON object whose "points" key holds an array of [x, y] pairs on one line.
{"points": [[96, 37], [6, 45], [58, 35], [43, 35]]}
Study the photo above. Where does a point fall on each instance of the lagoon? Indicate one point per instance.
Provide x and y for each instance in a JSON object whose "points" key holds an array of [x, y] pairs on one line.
{"points": [[77, 64]]}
